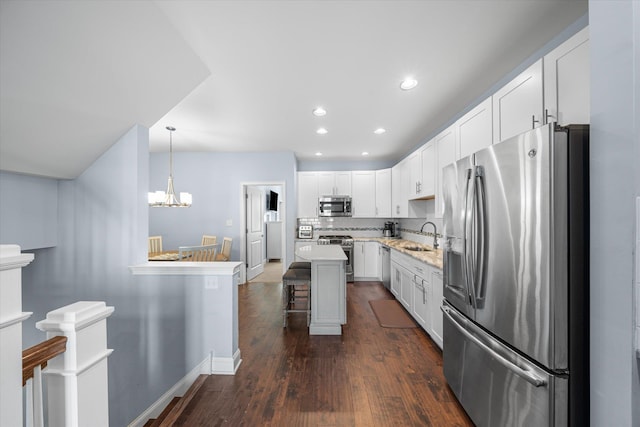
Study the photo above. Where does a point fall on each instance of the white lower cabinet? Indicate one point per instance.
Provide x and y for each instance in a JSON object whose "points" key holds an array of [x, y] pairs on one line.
{"points": [[436, 301], [418, 287], [421, 302], [366, 261]]}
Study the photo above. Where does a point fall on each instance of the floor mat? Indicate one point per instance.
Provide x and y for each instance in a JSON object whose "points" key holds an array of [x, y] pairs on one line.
{"points": [[390, 314]]}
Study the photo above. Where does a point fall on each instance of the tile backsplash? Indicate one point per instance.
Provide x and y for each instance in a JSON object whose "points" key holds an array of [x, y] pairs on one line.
{"points": [[372, 227]]}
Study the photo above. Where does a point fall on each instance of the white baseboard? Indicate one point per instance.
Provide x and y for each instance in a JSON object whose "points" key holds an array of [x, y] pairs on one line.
{"points": [[179, 389], [226, 365]]}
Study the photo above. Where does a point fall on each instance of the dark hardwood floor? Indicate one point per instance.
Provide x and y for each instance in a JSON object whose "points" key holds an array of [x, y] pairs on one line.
{"points": [[369, 376]]}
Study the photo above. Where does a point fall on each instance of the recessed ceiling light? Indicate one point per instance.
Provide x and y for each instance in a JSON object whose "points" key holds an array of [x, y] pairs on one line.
{"points": [[321, 131], [408, 83], [365, 153], [379, 131], [319, 112], [318, 154]]}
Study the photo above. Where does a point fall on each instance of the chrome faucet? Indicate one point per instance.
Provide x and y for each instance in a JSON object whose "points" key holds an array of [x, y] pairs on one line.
{"points": [[435, 233]]}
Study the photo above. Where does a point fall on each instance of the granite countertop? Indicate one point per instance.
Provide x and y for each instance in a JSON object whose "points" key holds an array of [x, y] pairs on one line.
{"points": [[432, 257]]}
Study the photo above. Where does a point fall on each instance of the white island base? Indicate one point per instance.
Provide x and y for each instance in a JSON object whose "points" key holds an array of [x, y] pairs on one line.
{"points": [[328, 288]]}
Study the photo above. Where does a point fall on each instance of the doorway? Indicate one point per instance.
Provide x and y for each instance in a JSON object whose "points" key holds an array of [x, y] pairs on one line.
{"points": [[264, 228]]}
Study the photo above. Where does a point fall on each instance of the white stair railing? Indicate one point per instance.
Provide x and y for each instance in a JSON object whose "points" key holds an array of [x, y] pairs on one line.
{"points": [[11, 317]]}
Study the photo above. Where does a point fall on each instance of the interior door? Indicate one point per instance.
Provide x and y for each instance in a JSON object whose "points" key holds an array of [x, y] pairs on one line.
{"points": [[255, 232]]}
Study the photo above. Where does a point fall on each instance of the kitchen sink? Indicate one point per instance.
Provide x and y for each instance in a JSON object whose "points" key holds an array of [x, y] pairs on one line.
{"points": [[417, 249]]}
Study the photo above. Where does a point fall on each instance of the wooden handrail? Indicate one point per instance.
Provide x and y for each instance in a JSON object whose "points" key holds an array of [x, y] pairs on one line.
{"points": [[40, 354]]}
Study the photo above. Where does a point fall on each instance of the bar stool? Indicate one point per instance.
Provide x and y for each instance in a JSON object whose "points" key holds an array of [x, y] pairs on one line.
{"points": [[296, 293], [300, 264]]}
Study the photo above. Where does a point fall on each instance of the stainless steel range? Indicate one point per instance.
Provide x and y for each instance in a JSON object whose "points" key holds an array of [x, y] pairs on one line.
{"points": [[346, 242]]}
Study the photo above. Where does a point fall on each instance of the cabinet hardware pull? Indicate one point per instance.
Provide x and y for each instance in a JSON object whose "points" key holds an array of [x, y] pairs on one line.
{"points": [[534, 121], [547, 115]]}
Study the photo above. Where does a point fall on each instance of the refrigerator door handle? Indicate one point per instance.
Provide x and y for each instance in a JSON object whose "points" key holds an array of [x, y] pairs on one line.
{"points": [[466, 267], [479, 236], [528, 376]]}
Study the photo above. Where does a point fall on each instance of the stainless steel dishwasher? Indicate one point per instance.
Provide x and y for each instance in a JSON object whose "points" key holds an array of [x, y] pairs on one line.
{"points": [[385, 259]]}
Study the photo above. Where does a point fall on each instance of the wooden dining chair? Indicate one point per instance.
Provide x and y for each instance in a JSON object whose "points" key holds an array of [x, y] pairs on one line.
{"points": [[155, 244], [208, 240], [225, 252], [203, 253]]}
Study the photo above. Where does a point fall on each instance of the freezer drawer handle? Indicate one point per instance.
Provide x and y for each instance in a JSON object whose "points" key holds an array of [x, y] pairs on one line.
{"points": [[528, 376]]}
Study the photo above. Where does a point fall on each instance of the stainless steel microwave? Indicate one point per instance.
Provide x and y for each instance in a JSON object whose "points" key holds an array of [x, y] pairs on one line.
{"points": [[334, 206]]}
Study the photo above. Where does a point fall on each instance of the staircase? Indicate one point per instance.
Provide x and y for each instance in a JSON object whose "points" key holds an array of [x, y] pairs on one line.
{"points": [[174, 409]]}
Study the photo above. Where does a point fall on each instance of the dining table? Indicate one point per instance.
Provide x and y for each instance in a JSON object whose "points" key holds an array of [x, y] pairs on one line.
{"points": [[164, 256]]}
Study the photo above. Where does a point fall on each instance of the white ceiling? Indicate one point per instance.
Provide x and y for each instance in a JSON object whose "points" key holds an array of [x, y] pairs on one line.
{"points": [[245, 75]]}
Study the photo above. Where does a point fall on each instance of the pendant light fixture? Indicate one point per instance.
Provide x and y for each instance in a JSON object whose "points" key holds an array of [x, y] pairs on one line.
{"points": [[168, 199]]}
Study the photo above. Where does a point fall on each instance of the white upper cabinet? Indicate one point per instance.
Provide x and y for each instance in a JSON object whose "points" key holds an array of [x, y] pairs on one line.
{"points": [[566, 81], [399, 187], [475, 129], [428, 158], [517, 107], [363, 199], [307, 194], [334, 183], [383, 193], [445, 144], [415, 175]]}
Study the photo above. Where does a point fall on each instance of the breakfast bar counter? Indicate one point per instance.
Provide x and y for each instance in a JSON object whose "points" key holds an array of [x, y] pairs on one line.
{"points": [[328, 288]]}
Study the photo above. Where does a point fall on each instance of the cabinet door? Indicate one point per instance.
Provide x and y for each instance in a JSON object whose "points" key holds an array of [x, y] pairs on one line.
{"points": [[383, 193], [395, 279], [363, 202], [475, 129], [399, 186], [428, 157], [421, 303], [436, 302], [358, 259], [371, 258], [406, 289], [415, 175], [517, 107], [566, 81], [446, 153], [307, 195], [343, 183], [326, 183]]}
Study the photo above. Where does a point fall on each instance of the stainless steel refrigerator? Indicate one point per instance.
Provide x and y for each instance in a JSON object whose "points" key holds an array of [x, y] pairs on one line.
{"points": [[516, 279]]}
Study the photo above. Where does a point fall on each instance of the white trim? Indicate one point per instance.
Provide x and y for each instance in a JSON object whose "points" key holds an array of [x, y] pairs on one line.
{"points": [[10, 263], [75, 317], [172, 268], [20, 318], [243, 219], [179, 389], [226, 365], [78, 371], [325, 329]]}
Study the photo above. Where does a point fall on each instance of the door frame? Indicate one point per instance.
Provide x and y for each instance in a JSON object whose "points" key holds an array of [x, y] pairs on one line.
{"points": [[243, 222]]}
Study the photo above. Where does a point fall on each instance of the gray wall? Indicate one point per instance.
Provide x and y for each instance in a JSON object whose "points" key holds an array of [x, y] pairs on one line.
{"points": [[102, 229], [215, 180], [29, 211], [615, 148]]}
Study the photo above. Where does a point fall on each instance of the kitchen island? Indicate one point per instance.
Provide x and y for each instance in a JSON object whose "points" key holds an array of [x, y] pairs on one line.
{"points": [[328, 288]]}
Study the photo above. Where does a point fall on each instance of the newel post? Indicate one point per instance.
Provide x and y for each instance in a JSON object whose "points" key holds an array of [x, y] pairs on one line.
{"points": [[11, 318], [77, 380]]}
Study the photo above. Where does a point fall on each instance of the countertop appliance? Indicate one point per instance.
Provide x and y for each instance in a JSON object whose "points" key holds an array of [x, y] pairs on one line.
{"points": [[346, 242], [516, 279], [305, 232], [389, 229], [334, 206]]}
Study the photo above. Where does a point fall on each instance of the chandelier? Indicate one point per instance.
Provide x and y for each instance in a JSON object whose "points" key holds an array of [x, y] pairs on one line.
{"points": [[168, 199]]}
